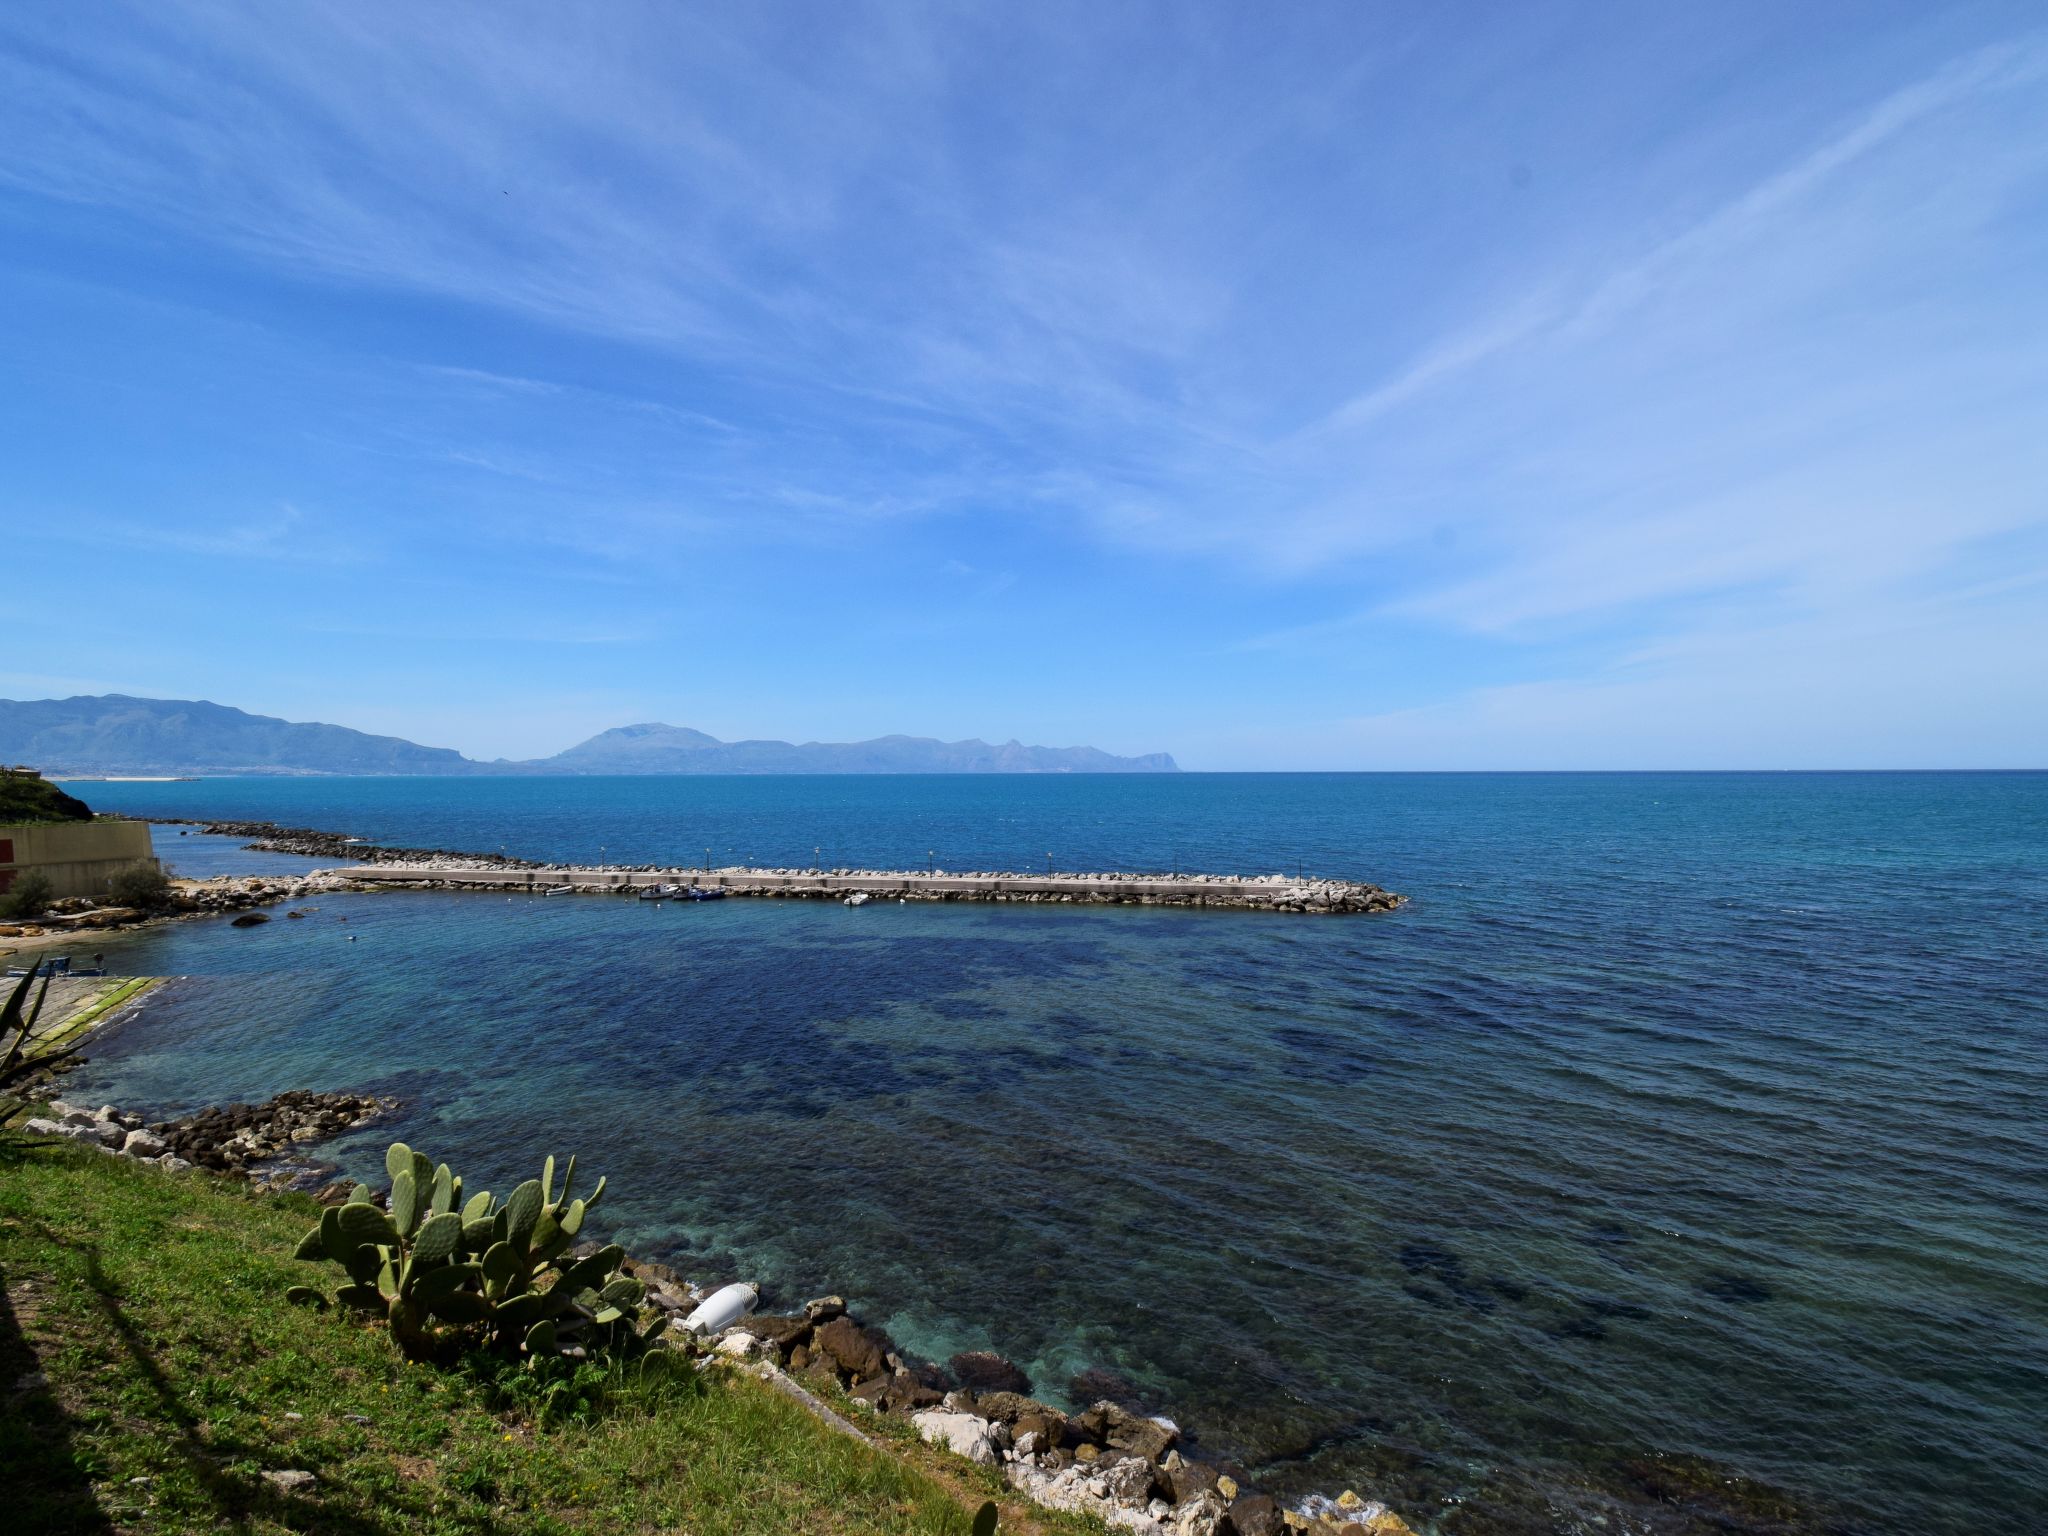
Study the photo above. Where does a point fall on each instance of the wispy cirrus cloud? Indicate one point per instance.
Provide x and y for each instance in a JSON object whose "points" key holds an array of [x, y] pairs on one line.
{"points": [[1559, 347]]}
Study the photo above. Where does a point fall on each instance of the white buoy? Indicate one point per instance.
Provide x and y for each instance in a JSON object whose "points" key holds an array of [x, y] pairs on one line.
{"points": [[722, 1308]]}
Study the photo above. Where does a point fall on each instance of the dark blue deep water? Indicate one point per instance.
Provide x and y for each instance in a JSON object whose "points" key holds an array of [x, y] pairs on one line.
{"points": [[1676, 1161]]}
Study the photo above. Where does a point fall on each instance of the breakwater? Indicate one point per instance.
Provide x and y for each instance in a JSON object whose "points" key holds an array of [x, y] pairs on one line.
{"points": [[1271, 893], [448, 869], [308, 842]]}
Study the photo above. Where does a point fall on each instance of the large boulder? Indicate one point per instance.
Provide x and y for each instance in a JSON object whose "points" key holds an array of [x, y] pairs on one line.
{"points": [[961, 1433], [782, 1333], [1203, 1515], [1253, 1514], [1117, 1427], [904, 1393], [1024, 1416], [978, 1371], [738, 1344], [1129, 1480], [1187, 1479], [852, 1349], [1006, 1407]]}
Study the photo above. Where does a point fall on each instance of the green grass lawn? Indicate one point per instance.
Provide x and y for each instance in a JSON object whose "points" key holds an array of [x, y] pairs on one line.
{"points": [[151, 1372]]}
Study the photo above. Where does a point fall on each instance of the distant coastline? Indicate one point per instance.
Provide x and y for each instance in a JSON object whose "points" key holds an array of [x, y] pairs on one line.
{"points": [[121, 778], [115, 737]]}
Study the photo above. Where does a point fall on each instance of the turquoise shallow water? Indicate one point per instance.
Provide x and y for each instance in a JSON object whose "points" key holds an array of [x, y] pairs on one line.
{"points": [[1681, 1120]]}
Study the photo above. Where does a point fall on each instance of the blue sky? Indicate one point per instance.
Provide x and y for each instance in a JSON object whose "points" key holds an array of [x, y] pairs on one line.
{"points": [[1307, 386]]}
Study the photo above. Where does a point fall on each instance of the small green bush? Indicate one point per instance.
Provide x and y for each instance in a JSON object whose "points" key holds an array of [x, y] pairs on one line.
{"points": [[142, 884], [31, 893], [547, 1388]]}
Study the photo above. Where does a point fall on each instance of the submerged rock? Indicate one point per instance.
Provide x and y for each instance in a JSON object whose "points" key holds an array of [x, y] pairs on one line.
{"points": [[1099, 1383], [980, 1371], [1115, 1426]]}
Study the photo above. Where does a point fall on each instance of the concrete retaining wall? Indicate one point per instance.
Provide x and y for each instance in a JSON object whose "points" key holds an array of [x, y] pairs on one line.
{"points": [[78, 857]]}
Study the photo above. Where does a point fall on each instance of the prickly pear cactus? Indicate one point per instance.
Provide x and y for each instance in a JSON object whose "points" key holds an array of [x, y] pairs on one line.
{"points": [[447, 1273]]}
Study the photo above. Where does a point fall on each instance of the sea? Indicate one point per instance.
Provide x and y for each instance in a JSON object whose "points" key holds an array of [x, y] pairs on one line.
{"points": [[1675, 1161]]}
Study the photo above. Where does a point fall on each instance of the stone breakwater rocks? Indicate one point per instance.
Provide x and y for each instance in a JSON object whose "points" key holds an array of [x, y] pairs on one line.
{"points": [[1262, 893], [237, 1139], [241, 893], [269, 837], [1109, 1460], [451, 869]]}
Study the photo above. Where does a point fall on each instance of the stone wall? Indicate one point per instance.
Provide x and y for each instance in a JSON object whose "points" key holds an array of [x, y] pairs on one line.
{"points": [[78, 857]]}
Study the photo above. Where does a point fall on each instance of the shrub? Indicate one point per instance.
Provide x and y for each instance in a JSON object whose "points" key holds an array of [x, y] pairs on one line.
{"points": [[449, 1275], [550, 1389], [142, 884], [30, 894]]}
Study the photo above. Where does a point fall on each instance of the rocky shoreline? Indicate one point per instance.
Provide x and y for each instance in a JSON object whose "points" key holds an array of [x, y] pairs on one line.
{"points": [[238, 1140], [1111, 1460], [239, 895]]}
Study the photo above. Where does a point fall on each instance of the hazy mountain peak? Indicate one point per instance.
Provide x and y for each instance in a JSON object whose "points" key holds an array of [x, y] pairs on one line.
{"points": [[118, 733]]}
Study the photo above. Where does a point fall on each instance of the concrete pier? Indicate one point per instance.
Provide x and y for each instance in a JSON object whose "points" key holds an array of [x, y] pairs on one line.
{"points": [[1272, 893]]}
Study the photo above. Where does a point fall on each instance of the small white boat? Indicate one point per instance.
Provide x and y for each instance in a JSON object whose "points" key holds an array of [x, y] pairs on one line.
{"points": [[857, 899], [559, 890], [657, 892]]}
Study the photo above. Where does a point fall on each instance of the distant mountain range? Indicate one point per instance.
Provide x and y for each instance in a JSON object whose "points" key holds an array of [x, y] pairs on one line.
{"points": [[116, 734]]}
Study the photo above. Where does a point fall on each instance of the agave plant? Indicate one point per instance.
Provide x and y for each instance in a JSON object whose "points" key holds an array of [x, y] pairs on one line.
{"points": [[441, 1269]]}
